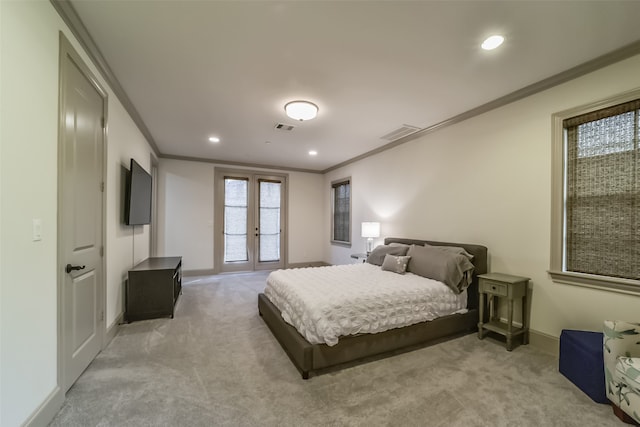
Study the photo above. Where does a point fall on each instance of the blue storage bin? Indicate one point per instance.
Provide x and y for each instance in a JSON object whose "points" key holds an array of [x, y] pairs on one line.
{"points": [[582, 363]]}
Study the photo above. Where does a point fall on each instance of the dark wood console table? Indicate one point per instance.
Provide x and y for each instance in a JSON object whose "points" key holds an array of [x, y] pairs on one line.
{"points": [[153, 288]]}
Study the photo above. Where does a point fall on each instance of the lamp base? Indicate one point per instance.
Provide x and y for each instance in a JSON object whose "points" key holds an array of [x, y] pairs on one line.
{"points": [[369, 245]]}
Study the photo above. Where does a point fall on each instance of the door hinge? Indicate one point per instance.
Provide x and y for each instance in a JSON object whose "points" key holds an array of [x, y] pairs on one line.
{"points": [[101, 250], [102, 187], [103, 123], [102, 316]]}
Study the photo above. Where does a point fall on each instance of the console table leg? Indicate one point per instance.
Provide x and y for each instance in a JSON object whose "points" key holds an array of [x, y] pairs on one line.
{"points": [[481, 313], [525, 321], [510, 326]]}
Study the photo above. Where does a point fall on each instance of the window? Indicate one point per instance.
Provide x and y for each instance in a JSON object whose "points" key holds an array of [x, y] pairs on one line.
{"points": [[596, 206], [341, 211]]}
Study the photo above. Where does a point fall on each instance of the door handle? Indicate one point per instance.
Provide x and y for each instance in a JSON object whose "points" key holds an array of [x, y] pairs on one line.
{"points": [[71, 268]]}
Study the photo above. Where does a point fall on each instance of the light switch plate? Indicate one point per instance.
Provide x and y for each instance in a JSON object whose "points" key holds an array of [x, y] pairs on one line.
{"points": [[37, 229]]}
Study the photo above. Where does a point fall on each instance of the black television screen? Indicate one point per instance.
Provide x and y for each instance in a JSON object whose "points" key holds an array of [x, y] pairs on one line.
{"points": [[138, 201]]}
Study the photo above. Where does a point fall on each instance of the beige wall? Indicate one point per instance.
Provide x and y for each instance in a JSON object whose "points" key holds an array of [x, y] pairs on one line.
{"points": [[126, 245], [28, 126], [487, 180], [186, 208], [306, 217], [29, 47]]}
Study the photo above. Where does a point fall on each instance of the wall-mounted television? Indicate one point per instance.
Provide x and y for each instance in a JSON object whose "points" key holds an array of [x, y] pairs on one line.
{"points": [[138, 198]]}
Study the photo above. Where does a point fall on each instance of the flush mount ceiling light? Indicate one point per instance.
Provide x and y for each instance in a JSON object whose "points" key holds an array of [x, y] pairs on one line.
{"points": [[301, 110], [214, 139], [492, 42], [313, 153]]}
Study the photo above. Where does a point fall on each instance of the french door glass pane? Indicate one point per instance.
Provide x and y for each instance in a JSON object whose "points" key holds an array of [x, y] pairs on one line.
{"points": [[269, 220], [235, 219]]}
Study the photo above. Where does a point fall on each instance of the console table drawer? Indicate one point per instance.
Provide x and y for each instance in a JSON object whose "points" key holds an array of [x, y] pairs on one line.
{"points": [[494, 288]]}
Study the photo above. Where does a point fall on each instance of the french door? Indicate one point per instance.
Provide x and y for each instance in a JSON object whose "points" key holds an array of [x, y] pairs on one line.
{"points": [[250, 221]]}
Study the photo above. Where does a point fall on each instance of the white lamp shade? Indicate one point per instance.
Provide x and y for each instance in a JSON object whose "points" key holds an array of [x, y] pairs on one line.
{"points": [[301, 110], [370, 229]]}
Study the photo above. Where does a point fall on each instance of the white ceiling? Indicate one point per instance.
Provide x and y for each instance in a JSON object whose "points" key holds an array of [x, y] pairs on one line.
{"points": [[194, 69]]}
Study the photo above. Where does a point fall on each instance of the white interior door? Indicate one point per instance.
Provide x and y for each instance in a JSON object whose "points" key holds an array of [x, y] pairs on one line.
{"points": [[81, 217], [252, 228]]}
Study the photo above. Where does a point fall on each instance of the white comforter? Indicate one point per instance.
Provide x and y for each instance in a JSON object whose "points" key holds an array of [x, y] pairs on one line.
{"points": [[326, 303]]}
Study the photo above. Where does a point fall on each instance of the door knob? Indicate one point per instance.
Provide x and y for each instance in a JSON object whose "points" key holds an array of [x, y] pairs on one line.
{"points": [[71, 268]]}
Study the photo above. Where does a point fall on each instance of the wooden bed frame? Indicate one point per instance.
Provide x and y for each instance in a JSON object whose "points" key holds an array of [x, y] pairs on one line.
{"points": [[310, 358]]}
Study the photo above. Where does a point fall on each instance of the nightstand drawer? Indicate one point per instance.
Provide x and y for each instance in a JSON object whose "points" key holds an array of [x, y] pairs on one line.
{"points": [[494, 288]]}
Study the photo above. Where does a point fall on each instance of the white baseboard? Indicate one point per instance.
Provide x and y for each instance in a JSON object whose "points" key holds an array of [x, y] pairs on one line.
{"points": [[212, 272], [547, 343], [47, 410], [307, 264], [191, 273], [44, 413], [112, 330], [543, 342]]}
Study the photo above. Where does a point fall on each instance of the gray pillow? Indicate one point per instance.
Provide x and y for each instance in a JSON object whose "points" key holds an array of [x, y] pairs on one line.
{"points": [[399, 244], [376, 257], [396, 264], [454, 249], [454, 270]]}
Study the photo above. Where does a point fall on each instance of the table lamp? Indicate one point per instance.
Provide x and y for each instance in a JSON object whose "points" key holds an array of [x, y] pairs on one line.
{"points": [[370, 230]]}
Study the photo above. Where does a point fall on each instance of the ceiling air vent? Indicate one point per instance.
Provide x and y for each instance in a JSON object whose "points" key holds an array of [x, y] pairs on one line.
{"points": [[282, 126], [401, 132]]}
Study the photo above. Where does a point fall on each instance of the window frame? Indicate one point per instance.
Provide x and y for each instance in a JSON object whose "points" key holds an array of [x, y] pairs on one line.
{"points": [[335, 184], [558, 222]]}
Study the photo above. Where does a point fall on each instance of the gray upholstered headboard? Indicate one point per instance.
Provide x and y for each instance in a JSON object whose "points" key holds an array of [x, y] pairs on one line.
{"points": [[479, 261]]}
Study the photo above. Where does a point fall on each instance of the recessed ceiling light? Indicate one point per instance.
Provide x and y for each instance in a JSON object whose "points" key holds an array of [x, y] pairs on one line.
{"points": [[313, 153], [492, 42], [214, 139], [301, 110]]}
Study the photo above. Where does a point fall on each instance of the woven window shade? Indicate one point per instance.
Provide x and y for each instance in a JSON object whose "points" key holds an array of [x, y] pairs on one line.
{"points": [[603, 192], [341, 211]]}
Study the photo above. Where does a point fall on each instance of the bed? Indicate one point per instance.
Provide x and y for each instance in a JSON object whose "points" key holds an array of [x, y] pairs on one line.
{"points": [[318, 357]]}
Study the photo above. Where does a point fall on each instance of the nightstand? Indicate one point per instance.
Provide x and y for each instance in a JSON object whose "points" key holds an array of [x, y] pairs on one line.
{"points": [[359, 257], [499, 285]]}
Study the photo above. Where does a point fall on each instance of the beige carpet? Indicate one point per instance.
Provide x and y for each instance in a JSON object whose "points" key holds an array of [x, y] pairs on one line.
{"points": [[217, 364]]}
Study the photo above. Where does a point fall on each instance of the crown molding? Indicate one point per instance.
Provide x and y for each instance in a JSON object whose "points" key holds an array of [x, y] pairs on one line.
{"points": [[70, 17], [602, 61], [239, 164]]}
